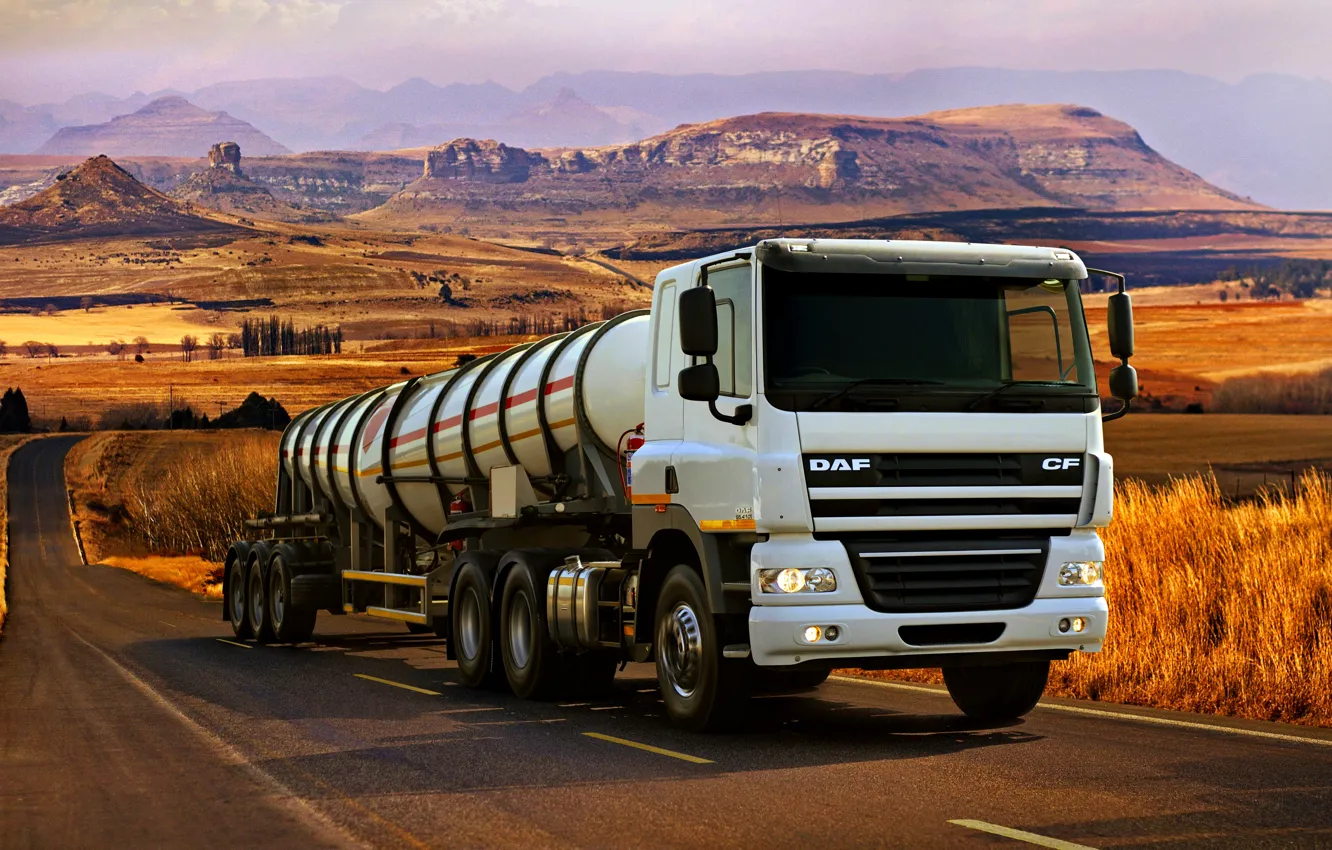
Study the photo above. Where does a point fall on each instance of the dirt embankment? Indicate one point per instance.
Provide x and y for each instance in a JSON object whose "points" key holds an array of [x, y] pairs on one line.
{"points": [[9, 443]]}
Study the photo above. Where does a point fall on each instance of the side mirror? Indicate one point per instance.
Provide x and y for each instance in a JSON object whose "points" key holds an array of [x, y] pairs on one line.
{"points": [[1119, 316], [1124, 383], [698, 324], [701, 382]]}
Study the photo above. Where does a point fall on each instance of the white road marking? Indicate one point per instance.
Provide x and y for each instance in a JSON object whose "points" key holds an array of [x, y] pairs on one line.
{"points": [[1020, 835], [233, 643], [1119, 715]]}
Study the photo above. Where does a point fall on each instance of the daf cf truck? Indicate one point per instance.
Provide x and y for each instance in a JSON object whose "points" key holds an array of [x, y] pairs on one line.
{"points": [[808, 454]]}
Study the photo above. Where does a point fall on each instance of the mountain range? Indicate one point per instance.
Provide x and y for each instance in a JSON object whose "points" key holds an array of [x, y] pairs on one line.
{"points": [[1262, 137]]}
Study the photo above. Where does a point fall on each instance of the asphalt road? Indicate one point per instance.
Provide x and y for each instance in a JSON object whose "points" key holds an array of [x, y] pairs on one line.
{"points": [[126, 719]]}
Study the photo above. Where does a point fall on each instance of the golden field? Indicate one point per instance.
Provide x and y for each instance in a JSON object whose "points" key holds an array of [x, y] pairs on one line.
{"points": [[1215, 607]]}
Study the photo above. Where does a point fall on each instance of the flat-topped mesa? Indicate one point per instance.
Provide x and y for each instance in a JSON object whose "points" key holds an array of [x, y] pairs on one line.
{"points": [[480, 161], [225, 155]]}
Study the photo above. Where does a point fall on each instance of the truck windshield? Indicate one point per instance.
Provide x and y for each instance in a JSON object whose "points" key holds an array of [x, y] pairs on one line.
{"points": [[916, 342]]}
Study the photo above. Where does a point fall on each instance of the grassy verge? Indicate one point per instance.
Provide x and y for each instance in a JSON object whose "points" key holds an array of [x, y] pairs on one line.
{"points": [[1214, 607], [8, 444], [167, 505]]}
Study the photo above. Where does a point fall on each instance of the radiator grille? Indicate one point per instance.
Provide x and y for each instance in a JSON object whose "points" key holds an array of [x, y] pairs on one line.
{"points": [[971, 576]]}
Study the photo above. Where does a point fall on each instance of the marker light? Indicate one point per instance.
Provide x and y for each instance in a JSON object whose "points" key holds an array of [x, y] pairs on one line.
{"points": [[797, 580], [1081, 573]]}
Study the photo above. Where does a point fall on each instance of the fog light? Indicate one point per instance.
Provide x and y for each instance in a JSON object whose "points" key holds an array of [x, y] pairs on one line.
{"points": [[832, 633], [791, 581], [1065, 625], [1080, 573], [813, 634], [1079, 624]]}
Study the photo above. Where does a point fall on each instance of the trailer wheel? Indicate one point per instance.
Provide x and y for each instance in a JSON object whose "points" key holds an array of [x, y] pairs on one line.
{"points": [[702, 690], [257, 598], [237, 609], [471, 632], [997, 692], [531, 659], [290, 623]]}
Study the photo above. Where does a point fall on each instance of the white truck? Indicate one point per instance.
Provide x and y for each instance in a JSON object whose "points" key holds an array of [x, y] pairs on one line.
{"points": [[808, 454]]}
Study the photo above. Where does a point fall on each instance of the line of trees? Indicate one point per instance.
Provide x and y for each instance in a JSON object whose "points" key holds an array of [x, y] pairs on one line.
{"points": [[272, 337], [1297, 278]]}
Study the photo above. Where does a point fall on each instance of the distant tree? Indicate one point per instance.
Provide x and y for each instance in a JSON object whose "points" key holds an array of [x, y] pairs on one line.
{"points": [[64, 424], [235, 341], [50, 309], [14, 412], [141, 345], [116, 348], [216, 343], [188, 344], [50, 350], [4, 348], [33, 347], [86, 302]]}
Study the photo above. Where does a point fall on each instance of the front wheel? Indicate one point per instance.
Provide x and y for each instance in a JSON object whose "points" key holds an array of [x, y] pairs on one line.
{"points": [[702, 690], [997, 692]]}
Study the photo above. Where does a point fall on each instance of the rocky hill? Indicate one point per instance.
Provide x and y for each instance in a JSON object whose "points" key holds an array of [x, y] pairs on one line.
{"points": [[224, 187], [168, 126], [797, 167], [99, 199]]}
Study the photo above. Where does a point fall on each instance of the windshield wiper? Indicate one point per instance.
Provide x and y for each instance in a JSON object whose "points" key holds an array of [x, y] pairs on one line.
{"points": [[1007, 385], [870, 382]]}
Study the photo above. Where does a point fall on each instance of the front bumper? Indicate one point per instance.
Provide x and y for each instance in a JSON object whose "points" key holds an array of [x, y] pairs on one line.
{"points": [[776, 632]]}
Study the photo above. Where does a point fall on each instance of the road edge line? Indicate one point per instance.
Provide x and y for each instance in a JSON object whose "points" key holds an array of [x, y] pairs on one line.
{"points": [[369, 678], [1116, 715], [649, 748]]}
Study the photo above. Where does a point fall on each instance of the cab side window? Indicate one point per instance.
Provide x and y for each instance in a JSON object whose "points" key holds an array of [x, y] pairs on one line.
{"points": [[734, 290]]}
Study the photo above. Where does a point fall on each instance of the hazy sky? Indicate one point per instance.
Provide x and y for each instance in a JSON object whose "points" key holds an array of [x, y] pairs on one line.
{"points": [[50, 49]]}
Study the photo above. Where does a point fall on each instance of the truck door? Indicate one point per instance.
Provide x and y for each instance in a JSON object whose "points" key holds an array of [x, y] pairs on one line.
{"points": [[715, 461]]}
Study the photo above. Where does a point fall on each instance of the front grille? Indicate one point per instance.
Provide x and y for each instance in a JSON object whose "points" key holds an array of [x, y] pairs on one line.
{"points": [[971, 575], [822, 508], [852, 469]]}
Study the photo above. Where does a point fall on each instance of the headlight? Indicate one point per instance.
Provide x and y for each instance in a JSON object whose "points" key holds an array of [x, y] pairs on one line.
{"points": [[1081, 573], [792, 580]]}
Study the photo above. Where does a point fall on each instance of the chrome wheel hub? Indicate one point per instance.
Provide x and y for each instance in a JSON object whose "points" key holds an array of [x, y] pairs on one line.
{"points": [[680, 649], [520, 631]]}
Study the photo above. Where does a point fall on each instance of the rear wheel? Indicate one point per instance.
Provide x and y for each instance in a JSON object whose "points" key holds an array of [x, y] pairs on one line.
{"points": [[257, 599], [702, 690], [997, 692], [471, 631], [531, 659], [237, 609], [290, 623]]}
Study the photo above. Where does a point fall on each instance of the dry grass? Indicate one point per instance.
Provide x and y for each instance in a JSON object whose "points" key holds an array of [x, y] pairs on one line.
{"points": [[166, 505], [1214, 607], [8, 444], [1269, 393]]}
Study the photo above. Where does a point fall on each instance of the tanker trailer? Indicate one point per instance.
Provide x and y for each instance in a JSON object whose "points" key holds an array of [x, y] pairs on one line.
{"points": [[807, 454]]}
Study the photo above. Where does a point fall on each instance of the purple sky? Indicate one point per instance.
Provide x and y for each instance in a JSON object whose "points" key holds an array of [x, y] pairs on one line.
{"points": [[50, 49]]}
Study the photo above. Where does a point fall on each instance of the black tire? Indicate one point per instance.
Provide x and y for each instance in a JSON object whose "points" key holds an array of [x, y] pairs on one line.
{"points": [[998, 692], [290, 623], [238, 609], [531, 659], [472, 632], [789, 681], [702, 690], [256, 597]]}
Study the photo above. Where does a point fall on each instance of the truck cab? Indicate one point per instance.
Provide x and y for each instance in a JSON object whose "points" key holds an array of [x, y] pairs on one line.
{"points": [[883, 454]]}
